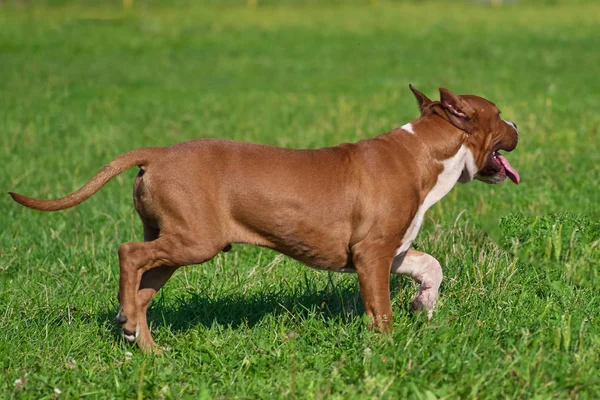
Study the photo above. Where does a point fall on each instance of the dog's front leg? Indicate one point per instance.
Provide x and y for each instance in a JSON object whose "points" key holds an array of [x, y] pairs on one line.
{"points": [[427, 271], [373, 262]]}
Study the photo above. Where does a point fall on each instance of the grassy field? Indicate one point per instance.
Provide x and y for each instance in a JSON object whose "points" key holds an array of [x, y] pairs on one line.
{"points": [[81, 83]]}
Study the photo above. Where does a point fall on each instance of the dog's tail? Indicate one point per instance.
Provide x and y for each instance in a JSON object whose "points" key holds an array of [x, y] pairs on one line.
{"points": [[139, 157]]}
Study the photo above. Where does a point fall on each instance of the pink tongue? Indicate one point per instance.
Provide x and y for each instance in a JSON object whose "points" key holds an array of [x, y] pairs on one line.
{"points": [[510, 171]]}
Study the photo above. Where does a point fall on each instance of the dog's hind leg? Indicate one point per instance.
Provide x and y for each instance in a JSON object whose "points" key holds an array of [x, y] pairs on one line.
{"points": [[427, 271], [152, 281], [137, 260]]}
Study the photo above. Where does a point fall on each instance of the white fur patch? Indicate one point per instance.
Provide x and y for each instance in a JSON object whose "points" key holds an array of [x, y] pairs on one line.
{"points": [[453, 169], [470, 169], [132, 338], [408, 128], [410, 265], [129, 338], [511, 124], [428, 272]]}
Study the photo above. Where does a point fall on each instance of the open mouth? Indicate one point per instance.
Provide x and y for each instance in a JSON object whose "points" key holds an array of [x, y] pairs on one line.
{"points": [[505, 168]]}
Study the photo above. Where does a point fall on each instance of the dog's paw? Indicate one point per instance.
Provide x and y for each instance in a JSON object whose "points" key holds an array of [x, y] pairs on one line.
{"points": [[425, 301], [130, 336]]}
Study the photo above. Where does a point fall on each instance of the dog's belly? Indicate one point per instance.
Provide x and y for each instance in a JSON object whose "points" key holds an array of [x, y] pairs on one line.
{"points": [[332, 258], [322, 245], [315, 246]]}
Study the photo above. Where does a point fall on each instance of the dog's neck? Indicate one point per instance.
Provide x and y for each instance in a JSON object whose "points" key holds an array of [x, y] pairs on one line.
{"points": [[441, 149], [441, 139]]}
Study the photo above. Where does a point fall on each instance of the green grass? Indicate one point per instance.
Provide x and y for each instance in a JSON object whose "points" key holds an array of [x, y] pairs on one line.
{"points": [[81, 83]]}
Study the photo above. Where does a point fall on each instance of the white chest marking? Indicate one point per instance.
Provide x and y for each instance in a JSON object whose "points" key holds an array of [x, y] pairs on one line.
{"points": [[408, 128], [470, 169], [454, 167]]}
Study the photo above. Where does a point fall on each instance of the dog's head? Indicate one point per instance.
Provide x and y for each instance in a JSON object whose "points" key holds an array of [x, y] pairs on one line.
{"points": [[486, 132]]}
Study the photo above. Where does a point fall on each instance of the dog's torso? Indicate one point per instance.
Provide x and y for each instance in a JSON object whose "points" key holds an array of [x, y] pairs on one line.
{"points": [[313, 205]]}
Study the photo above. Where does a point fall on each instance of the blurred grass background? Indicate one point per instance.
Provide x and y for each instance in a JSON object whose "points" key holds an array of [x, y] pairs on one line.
{"points": [[84, 81]]}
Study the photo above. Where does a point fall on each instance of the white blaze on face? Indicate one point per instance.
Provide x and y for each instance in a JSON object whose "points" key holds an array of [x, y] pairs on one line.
{"points": [[408, 128], [453, 169], [511, 124]]}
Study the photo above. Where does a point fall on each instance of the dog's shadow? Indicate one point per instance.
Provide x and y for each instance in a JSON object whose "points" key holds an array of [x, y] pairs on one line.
{"points": [[239, 310], [333, 302], [339, 302]]}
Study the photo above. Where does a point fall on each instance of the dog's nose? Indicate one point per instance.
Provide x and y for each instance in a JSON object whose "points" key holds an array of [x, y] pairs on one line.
{"points": [[515, 125]]}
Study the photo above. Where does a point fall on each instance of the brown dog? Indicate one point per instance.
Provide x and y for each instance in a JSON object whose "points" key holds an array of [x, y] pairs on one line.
{"points": [[350, 208]]}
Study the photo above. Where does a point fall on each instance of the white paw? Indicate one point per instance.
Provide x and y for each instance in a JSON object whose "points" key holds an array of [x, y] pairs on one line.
{"points": [[425, 300], [131, 337]]}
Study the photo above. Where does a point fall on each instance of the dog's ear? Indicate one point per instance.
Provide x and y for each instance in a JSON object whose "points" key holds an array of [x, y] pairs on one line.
{"points": [[459, 112], [421, 98]]}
